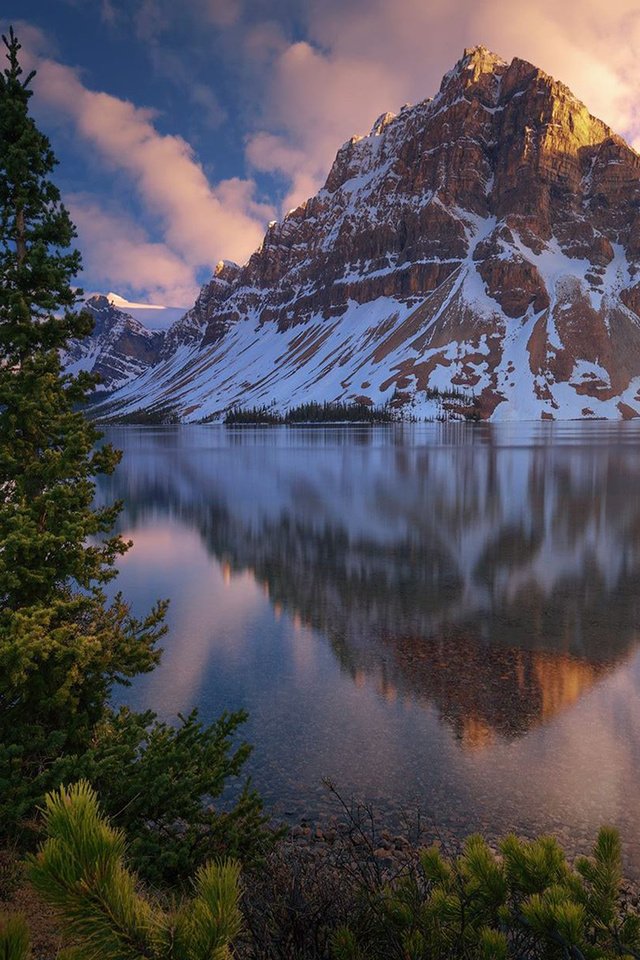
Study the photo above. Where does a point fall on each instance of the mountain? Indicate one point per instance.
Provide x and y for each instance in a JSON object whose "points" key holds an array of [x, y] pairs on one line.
{"points": [[487, 239], [120, 349]]}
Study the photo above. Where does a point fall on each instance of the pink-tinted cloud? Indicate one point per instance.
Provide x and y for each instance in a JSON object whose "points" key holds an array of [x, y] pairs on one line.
{"points": [[199, 222], [221, 13], [262, 42], [318, 99], [118, 253], [270, 153]]}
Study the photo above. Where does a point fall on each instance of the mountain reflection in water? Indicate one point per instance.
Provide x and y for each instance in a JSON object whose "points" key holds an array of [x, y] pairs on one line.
{"points": [[447, 612]]}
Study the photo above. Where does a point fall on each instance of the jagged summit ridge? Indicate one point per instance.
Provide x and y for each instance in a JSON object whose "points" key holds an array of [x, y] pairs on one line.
{"points": [[476, 65], [486, 239]]}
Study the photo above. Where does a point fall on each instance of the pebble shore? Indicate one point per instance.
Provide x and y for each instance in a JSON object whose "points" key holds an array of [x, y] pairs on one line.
{"points": [[394, 851]]}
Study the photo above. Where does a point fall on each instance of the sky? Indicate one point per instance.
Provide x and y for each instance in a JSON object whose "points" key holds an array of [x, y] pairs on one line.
{"points": [[183, 128]]}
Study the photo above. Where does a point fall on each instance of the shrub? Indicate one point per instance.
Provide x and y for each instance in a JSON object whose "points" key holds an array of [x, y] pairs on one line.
{"points": [[160, 784], [14, 938], [81, 871], [526, 903]]}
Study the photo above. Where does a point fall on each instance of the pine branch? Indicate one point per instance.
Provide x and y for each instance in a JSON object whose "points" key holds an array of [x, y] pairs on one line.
{"points": [[81, 871]]}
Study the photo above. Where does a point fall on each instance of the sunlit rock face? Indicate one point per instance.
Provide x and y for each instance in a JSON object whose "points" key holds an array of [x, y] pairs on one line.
{"points": [[120, 348], [488, 239]]}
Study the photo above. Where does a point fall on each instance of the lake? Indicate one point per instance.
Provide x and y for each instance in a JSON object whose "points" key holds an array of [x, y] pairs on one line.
{"points": [[440, 614]]}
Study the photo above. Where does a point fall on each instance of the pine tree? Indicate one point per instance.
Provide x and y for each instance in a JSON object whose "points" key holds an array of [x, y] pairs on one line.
{"points": [[526, 903], [62, 646]]}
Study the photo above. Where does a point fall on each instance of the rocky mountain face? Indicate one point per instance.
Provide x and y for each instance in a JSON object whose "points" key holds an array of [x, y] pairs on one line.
{"points": [[119, 350], [487, 239], [203, 322]]}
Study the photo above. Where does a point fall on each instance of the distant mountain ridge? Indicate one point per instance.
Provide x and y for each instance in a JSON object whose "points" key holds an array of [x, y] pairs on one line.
{"points": [[120, 348], [486, 239]]}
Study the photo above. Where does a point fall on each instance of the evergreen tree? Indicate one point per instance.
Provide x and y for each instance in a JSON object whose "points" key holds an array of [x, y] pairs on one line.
{"points": [[62, 646]]}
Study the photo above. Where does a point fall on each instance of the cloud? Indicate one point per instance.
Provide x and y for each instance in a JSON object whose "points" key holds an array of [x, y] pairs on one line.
{"points": [[155, 19], [270, 153], [169, 65], [108, 13], [263, 41], [117, 253], [199, 222], [151, 19], [221, 13]]}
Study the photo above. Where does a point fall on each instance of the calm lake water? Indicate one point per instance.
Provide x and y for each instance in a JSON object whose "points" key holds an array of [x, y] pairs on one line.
{"points": [[444, 615]]}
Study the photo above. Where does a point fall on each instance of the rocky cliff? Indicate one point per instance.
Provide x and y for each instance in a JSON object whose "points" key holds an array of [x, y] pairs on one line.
{"points": [[120, 349], [486, 239]]}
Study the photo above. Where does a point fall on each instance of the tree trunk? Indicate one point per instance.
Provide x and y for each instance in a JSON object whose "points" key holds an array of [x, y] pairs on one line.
{"points": [[21, 243]]}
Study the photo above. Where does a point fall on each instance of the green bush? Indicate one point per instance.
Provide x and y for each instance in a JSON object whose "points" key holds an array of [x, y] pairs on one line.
{"points": [[526, 902], [161, 784], [81, 871], [14, 938]]}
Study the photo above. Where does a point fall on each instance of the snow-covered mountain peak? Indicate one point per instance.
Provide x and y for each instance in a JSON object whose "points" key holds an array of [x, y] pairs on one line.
{"points": [[108, 317], [476, 61], [381, 124], [119, 349], [226, 271], [487, 241]]}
